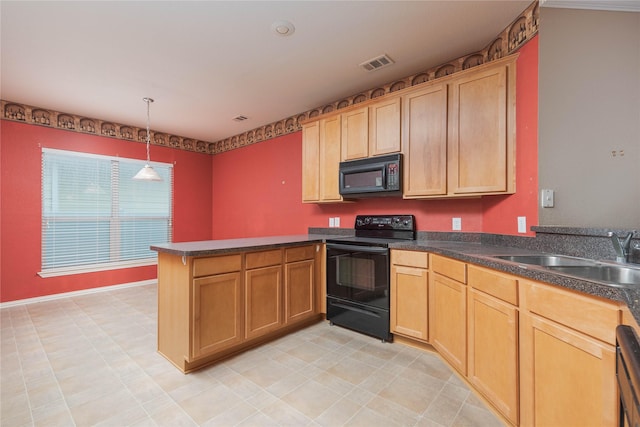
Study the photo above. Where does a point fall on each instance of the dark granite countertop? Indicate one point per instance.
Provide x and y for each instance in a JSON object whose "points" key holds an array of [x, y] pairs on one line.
{"points": [[481, 254], [472, 251], [217, 247]]}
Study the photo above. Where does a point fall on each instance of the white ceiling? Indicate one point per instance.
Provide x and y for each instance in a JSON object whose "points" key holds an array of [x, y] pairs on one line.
{"points": [[205, 62]]}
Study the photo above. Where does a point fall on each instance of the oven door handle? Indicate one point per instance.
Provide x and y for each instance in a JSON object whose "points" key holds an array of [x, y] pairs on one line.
{"points": [[356, 248]]}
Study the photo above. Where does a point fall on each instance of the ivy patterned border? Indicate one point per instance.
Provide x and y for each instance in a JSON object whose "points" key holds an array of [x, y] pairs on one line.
{"points": [[521, 30]]}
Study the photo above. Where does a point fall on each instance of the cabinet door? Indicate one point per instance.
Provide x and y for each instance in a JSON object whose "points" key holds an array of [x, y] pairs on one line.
{"points": [[493, 352], [384, 127], [568, 379], [311, 162], [409, 301], [330, 155], [481, 128], [217, 311], [448, 320], [263, 300], [299, 290], [355, 134], [425, 142]]}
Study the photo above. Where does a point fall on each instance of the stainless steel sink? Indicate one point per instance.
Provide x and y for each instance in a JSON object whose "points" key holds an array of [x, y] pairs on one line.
{"points": [[612, 274], [547, 260]]}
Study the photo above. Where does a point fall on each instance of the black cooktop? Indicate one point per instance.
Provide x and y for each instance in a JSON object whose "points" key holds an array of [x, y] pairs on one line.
{"points": [[380, 230]]}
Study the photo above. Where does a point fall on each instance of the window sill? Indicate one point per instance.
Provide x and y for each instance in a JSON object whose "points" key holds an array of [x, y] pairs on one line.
{"points": [[66, 271]]}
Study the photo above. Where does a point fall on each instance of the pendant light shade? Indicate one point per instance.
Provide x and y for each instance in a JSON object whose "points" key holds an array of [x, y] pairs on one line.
{"points": [[147, 173]]}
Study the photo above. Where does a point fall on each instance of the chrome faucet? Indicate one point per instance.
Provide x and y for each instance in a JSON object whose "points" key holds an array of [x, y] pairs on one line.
{"points": [[621, 245]]}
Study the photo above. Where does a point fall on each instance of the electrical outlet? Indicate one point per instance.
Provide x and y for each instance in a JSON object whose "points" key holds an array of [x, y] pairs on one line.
{"points": [[522, 224], [456, 224], [332, 222], [336, 221]]}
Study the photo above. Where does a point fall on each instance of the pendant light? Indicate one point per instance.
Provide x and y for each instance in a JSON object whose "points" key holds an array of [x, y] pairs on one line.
{"points": [[147, 173]]}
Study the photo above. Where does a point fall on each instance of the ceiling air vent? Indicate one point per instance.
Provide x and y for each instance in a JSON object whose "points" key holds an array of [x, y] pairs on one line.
{"points": [[377, 63], [240, 118]]}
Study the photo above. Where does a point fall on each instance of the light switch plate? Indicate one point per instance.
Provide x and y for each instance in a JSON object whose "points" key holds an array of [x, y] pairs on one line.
{"points": [[547, 197], [336, 221], [332, 222], [456, 224]]}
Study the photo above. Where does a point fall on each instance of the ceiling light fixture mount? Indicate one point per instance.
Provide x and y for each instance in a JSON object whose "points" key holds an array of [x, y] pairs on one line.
{"points": [[147, 173], [283, 28]]}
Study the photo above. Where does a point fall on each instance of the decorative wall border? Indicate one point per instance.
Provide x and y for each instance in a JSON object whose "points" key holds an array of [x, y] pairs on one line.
{"points": [[521, 30]]}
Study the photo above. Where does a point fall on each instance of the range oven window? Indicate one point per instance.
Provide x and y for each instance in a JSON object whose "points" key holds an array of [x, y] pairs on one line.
{"points": [[358, 273], [355, 272]]}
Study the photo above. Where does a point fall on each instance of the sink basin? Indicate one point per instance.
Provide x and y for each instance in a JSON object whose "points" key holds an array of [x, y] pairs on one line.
{"points": [[548, 260], [612, 274]]}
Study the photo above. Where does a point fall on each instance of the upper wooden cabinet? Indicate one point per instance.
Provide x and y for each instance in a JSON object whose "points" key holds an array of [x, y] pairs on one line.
{"points": [[424, 139], [384, 127], [482, 131], [311, 162], [355, 134], [372, 130], [457, 134], [321, 157]]}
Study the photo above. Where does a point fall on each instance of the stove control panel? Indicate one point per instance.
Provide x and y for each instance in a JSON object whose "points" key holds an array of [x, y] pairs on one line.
{"points": [[385, 222]]}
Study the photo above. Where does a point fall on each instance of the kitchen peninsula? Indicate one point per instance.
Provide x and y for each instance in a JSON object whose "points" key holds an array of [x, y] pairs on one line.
{"points": [[219, 297]]}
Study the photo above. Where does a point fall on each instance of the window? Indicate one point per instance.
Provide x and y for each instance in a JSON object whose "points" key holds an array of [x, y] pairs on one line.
{"points": [[96, 217]]}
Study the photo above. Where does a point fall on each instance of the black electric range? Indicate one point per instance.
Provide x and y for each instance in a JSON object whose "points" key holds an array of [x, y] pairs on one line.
{"points": [[358, 273]]}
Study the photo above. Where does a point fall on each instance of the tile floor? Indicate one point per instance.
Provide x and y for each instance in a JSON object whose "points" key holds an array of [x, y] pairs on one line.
{"points": [[91, 361]]}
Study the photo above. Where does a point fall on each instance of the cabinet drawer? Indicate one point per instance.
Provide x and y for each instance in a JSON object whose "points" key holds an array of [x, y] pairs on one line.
{"points": [[410, 258], [586, 314], [299, 253], [263, 259], [454, 269], [499, 285], [216, 265]]}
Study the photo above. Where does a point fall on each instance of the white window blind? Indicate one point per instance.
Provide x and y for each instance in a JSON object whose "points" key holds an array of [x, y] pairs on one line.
{"points": [[96, 217]]}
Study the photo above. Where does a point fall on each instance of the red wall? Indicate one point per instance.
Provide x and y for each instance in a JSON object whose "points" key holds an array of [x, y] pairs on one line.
{"points": [[20, 247], [253, 191], [257, 189]]}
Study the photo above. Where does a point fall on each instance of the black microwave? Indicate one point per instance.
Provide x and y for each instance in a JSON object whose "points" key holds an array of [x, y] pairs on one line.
{"points": [[372, 177]]}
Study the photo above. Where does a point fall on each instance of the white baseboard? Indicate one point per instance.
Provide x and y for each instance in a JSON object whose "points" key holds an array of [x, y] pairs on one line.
{"points": [[8, 304]]}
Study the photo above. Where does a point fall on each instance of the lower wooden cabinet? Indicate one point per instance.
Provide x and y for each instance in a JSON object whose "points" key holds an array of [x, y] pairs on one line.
{"points": [[492, 322], [541, 355], [299, 272], [567, 358], [212, 307], [568, 378], [263, 292], [409, 294], [263, 300], [448, 310], [217, 312], [493, 352]]}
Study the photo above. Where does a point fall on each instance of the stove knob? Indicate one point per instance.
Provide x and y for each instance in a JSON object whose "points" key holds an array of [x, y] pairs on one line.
{"points": [[367, 220]]}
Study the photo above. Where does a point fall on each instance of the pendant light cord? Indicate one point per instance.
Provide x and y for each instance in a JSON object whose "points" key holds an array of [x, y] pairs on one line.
{"points": [[148, 101]]}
